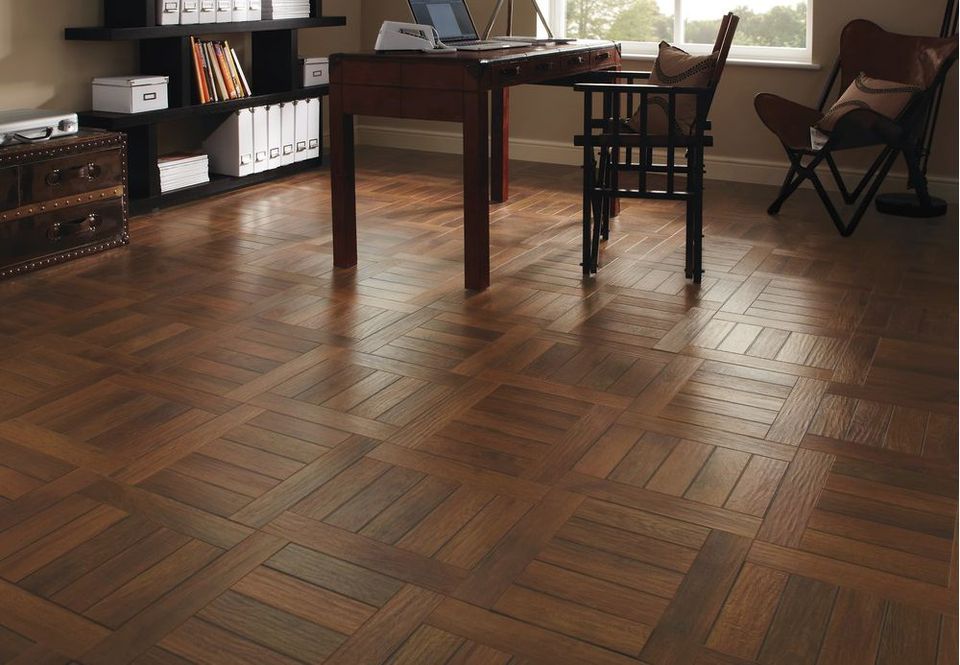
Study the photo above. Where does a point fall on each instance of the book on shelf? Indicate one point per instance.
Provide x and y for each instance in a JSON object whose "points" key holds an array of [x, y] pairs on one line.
{"points": [[219, 74]]}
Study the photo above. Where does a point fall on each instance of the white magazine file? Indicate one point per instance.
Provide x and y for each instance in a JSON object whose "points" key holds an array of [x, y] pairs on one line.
{"points": [[313, 128], [288, 133], [189, 12], [261, 140], [168, 12], [240, 10], [254, 10], [224, 11], [275, 132], [208, 11], [230, 147], [302, 124]]}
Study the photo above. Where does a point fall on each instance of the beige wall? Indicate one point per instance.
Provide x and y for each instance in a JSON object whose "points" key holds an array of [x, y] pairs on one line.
{"points": [[38, 68], [553, 115]]}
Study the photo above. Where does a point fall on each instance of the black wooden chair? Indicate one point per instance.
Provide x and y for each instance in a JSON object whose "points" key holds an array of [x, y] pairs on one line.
{"points": [[614, 148], [869, 49]]}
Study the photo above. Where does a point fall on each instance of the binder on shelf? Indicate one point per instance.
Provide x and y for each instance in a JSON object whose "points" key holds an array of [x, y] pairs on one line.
{"points": [[261, 140], [301, 122], [275, 132], [208, 11], [240, 10], [189, 12], [230, 147], [224, 11], [254, 10], [288, 134], [313, 128], [168, 12]]}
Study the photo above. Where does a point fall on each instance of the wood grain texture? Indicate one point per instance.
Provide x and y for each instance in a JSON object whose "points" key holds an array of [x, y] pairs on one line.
{"points": [[214, 448]]}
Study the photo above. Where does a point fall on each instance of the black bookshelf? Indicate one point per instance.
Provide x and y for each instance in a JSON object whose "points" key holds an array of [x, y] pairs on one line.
{"points": [[275, 77]]}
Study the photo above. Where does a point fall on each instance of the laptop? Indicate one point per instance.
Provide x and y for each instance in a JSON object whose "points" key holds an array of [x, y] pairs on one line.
{"points": [[455, 25]]}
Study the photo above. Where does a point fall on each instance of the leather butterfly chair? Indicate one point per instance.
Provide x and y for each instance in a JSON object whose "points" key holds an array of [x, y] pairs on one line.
{"points": [[625, 148], [865, 48]]}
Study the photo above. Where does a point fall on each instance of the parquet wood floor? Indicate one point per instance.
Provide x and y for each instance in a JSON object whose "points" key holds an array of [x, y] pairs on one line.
{"points": [[216, 449]]}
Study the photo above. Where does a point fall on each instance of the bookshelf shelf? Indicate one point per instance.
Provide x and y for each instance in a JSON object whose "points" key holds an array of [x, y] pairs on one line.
{"points": [[218, 184], [121, 121], [274, 76], [140, 33]]}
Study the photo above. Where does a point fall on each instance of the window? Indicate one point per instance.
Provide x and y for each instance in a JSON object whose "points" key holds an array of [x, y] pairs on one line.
{"points": [[768, 30]]}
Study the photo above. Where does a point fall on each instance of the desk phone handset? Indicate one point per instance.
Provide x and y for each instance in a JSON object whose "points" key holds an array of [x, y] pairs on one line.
{"points": [[396, 36]]}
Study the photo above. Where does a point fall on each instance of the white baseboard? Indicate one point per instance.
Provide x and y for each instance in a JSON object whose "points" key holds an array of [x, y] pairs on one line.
{"points": [[729, 169]]}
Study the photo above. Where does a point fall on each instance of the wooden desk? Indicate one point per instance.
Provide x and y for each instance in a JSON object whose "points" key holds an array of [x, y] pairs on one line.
{"points": [[455, 87]]}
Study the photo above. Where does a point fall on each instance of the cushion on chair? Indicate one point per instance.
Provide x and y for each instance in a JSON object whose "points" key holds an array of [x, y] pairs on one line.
{"points": [[675, 67], [887, 98]]}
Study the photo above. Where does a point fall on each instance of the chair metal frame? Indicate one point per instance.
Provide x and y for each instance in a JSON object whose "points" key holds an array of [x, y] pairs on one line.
{"points": [[612, 149]]}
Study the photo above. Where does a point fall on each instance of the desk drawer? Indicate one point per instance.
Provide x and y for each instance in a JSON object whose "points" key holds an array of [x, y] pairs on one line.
{"points": [[9, 188], [511, 74], [571, 63], [60, 231], [606, 58], [57, 178]]}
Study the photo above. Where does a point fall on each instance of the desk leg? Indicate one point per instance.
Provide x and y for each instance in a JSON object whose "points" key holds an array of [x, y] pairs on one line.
{"points": [[500, 146], [476, 191], [342, 182]]}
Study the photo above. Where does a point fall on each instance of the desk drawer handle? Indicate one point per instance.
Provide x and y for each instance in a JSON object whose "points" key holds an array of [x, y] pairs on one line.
{"points": [[81, 227], [603, 56], [577, 60], [510, 71]]}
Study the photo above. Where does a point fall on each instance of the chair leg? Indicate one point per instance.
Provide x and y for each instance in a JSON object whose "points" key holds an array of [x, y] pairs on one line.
{"points": [[695, 215], [588, 196], [789, 186], [917, 179], [691, 229], [847, 228], [609, 184], [696, 232]]}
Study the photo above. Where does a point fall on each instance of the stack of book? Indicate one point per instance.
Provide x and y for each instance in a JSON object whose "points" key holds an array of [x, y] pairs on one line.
{"points": [[218, 73], [183, 170], [280, 9]]}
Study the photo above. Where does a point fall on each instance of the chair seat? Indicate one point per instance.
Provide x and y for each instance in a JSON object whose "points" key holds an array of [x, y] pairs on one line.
{"points": [[791, 122], [628, 137]]}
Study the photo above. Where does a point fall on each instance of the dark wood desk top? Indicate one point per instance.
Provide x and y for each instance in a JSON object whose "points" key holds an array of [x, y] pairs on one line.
{"points": [[465, 70], [480, 57]]}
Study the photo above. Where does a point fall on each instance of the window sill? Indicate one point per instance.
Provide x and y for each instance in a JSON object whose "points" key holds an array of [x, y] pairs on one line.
{"points": [[776, 64]]}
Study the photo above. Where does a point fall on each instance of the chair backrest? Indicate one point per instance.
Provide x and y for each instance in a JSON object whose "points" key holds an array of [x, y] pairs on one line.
{"points": [[868, 48], [728, 28]]}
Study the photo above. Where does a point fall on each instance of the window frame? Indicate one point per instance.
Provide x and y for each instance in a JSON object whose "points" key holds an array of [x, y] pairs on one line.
{"points": [[557, 10]]}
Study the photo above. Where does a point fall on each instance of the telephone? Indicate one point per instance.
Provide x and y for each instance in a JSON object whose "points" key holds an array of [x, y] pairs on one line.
{"points": [[395, 36]]}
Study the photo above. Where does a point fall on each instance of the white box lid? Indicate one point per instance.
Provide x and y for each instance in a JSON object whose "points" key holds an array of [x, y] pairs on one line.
{"points": [[315, 61], [131, 81]]}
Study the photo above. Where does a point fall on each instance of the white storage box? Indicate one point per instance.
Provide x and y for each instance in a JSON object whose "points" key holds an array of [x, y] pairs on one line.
{"points": [[316, 71], [130, 94]]}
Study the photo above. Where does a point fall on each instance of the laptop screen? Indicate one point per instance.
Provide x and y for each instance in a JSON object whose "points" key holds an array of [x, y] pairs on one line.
{"points": [[450, 17]]}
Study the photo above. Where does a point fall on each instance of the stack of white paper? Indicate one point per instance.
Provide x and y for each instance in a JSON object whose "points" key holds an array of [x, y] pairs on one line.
{"points": [[280, 9], [183, 170]]}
